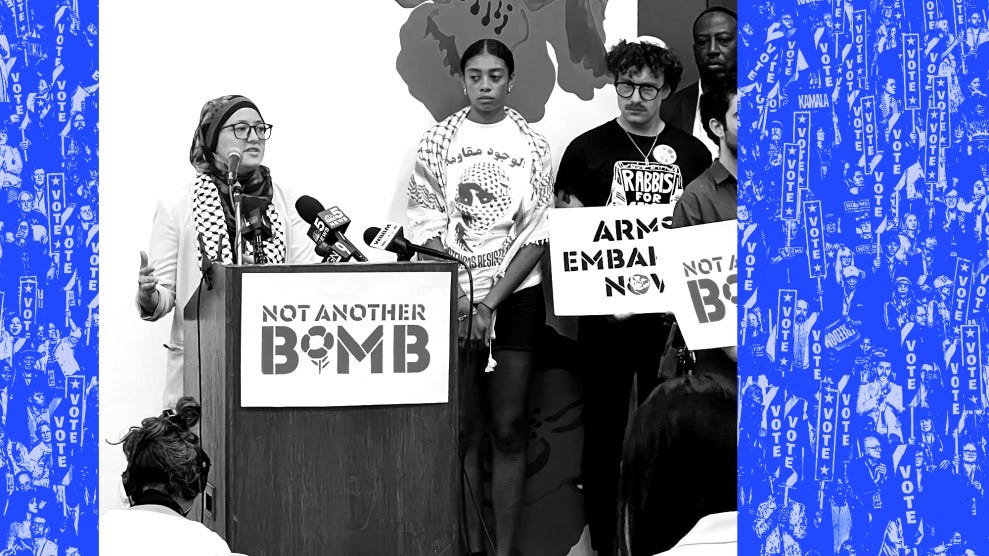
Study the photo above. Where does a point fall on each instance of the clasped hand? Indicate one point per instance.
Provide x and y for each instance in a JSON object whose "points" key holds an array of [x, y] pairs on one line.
{"points": [[479, 318]]}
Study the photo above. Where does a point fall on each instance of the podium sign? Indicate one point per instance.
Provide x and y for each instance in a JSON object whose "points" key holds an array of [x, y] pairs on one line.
{"points": [[270, 349], [353, 339]]}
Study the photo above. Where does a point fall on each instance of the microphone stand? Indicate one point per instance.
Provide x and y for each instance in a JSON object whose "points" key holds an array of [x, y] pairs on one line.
{"points": [[236, 195]]}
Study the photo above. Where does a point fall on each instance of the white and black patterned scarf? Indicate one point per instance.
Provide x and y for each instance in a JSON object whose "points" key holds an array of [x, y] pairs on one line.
{"points": [[210, 220]]}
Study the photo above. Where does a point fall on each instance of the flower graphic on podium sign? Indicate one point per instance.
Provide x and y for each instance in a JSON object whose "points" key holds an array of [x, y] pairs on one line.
{"points": [[317, 344]]}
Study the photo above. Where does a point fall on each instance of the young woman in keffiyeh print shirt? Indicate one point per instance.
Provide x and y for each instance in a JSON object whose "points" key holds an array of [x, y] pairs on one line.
{"points": [[169, 272], [480, 189]]}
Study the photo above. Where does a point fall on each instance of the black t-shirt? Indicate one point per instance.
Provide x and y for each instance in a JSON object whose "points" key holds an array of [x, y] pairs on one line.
{"points": [[605, 155]]}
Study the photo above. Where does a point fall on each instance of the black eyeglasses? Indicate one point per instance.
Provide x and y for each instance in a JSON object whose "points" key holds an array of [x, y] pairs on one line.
{"points": [[243, 131], [626, 89]]}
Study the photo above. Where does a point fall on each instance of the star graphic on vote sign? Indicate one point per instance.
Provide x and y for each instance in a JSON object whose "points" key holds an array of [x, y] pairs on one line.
{"points": [[28, 288], [789, 212], [817, 268], [973, 399], [810, 207], [956, 330], [56, 180], [787, 297], [791, 150], [802, 119], [858, 16], [964, 267], [784, 361], [913, 99], [825, 470], [829, 398], [911, 41], [74, 382], [969, 332]]}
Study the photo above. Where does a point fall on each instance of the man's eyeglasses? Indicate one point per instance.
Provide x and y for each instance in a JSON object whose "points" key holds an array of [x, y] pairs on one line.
{"points": [[626, 89], [243, 131]]}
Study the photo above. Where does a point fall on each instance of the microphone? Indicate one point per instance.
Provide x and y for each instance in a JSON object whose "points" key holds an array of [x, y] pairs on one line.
{"points": [[333, 253], [233, 165], [257, 230], [258, 224], [392, 238], [327, 225]]}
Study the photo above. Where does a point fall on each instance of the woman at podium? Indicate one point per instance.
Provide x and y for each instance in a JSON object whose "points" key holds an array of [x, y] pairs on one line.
{"points": [[166, 471], [480, 190], [227, 147]]}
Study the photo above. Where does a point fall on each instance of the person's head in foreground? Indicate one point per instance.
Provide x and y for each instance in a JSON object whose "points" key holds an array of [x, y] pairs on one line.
{"points": [[166, 464], [679, 465], [166, 472]]}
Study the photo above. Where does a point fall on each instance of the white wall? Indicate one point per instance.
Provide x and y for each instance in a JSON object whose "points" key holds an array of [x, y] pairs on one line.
{"points": [[336, 140]]}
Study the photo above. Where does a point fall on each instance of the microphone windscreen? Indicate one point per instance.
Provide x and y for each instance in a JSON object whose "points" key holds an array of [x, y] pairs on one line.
{"points": [[308, 208], [370, 233], [324, 249]]}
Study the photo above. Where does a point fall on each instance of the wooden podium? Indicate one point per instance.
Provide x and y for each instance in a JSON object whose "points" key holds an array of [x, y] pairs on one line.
{"points": [[360, 480]]}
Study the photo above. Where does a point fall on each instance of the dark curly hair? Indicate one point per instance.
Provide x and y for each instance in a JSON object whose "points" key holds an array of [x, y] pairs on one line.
{"points": [[714, 105], [164, 454], [634, 56]]}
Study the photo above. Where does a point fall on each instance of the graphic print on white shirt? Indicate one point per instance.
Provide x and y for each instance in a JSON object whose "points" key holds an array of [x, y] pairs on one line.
{"points": [[647, 183], [483, 163], [483, 196]]}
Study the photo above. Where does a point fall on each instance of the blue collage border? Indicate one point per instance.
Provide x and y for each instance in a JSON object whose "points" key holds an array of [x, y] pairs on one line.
{"points": [[49, 276], [864, 262], [864, 270]]}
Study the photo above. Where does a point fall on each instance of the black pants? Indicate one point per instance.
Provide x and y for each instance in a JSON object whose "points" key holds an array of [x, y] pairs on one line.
{"points": [[613, 353]]}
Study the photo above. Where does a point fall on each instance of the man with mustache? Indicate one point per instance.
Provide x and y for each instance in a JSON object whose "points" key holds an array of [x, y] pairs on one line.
{"points": [[634, 159], [715, 42]]}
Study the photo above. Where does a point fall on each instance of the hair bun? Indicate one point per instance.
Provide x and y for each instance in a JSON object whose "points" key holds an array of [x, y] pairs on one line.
{"points": [[187, 412]]}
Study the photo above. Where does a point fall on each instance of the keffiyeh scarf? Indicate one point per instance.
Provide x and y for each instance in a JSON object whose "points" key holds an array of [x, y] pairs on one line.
{"points": [[211, 222]]}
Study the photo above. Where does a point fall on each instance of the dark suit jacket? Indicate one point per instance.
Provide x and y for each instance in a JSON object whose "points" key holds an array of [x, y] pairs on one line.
{"points": [[678, 110], [864, 486]]}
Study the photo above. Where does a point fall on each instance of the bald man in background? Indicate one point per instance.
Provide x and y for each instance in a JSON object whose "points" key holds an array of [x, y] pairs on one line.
{"points": [[715, 42]]}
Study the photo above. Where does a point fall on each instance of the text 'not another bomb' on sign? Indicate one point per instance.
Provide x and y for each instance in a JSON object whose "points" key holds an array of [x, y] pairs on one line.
{"points": [[702, 281], [345, 338]]}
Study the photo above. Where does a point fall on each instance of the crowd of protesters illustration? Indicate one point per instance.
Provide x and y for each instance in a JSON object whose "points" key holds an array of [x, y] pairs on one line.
{"points": [[864, 270], [49, 257]]}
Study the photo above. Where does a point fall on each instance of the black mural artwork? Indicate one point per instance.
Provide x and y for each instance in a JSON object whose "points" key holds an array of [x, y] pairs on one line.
{"points": [[436, 32], [49, 276], [864, 272]]}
